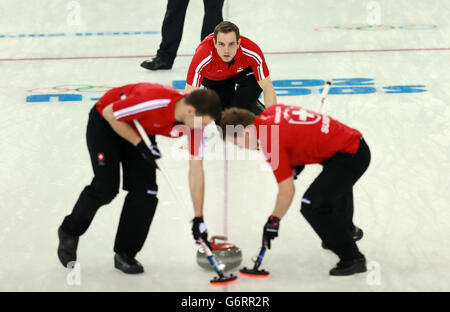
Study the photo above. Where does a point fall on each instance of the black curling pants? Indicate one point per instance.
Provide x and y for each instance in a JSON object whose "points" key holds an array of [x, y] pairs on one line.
{"points": [[172, 27], [107, 151], [240, 91], [328, 202]]}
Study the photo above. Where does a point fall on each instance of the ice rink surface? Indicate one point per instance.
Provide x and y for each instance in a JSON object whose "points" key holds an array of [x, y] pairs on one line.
{"points": [[390, 81]]}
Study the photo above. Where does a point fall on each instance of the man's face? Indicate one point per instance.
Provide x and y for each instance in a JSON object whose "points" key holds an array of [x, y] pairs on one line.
{"points": [[227, 45]]}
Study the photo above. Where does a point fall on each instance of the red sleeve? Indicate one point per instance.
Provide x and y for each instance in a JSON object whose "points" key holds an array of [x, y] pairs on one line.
{"points": [[273, 150], [283, 169], [201, 59], [196, 142], [113, 95], [143, 100], [257, 60], [134, 107]]}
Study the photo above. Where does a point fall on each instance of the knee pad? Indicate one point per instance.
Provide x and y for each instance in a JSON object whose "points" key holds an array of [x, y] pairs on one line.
{"points": [[306, 207], [141, 205], [142, 199], [143, 181], [314, 206]]}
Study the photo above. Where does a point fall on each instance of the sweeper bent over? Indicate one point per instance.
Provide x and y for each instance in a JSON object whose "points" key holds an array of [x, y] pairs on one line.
{"points": [[112, 141], [291, 137]]}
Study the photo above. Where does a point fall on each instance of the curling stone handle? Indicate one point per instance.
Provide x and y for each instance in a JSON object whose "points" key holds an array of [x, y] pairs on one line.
{"points": [[220, 237]]}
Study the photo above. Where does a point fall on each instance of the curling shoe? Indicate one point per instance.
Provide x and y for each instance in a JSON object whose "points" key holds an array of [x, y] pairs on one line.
{"points": [[127, 264], [357, 235], [156, 63], [67, 248], [345, 268]]}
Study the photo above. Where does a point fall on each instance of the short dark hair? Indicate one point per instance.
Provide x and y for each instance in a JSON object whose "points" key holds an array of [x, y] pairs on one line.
{"points": [[236, 117], [205, 102], [226, 27]]}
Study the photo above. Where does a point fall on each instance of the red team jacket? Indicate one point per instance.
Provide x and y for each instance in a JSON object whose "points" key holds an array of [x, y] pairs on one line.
{"points": [[153, 105], [207, 62], [302, 137]]}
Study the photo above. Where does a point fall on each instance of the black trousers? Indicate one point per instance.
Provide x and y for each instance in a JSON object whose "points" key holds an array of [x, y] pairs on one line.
{"points": [[328, 202], [107, 151], [172, 27], [240, 91]]}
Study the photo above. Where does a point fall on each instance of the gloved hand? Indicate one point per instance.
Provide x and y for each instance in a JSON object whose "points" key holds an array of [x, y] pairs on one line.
{"points": [[199, 230], [297, 170], [154, 148], [271, 229], [148, 154]]}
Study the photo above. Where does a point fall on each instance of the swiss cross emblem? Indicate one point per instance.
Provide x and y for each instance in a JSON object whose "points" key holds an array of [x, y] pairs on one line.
{"points": [[101, 157]]}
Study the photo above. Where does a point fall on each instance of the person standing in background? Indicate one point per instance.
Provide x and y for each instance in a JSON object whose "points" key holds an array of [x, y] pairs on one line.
{"points": [[233, 66], [172, 30]]}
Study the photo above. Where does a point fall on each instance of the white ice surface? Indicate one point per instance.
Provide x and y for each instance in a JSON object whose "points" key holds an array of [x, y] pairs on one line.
{"points": [[401, 202]]}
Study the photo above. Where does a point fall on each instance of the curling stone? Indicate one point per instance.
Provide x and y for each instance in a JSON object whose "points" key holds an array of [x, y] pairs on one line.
{"points": [[227, 253]]}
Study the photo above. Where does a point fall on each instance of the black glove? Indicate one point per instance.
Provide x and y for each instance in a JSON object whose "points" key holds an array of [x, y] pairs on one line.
{"points": [[297, 170], [199, 230], [147, 154], [271, 230], [258, 108], [154, 148]]}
